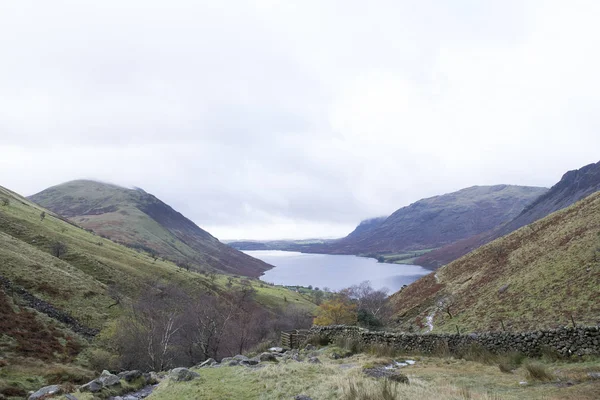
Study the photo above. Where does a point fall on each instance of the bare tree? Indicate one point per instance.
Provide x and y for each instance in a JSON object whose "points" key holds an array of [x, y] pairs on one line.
{"points": [[42, 215], [59, 249], [445, 304], [113, 293]]}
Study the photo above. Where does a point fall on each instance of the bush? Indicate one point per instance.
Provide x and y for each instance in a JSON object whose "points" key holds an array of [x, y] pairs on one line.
{"points": [[538, 372]]}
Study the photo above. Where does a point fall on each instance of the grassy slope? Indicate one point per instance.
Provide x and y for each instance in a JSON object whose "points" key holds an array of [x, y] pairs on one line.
{"points": [[137, 218], [551, 267], [78, 283], [431, 378]]}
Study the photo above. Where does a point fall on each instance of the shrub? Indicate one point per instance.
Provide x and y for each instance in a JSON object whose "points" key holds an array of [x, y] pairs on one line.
{"points": [[538, 372], [5, 202]]}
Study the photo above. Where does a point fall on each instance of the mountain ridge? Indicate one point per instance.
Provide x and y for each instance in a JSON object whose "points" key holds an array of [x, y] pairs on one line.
{"points": [[137, 218]]}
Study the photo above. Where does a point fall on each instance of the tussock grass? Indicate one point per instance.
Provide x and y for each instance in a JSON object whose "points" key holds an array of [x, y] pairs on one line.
{"points": [[538, 372]]}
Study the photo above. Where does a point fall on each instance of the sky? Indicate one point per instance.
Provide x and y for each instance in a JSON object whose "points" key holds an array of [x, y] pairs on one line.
{"points": [[268, 119]]}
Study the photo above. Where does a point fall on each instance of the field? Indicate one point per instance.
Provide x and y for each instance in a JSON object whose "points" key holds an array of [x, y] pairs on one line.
{"points": [[440, 378]]}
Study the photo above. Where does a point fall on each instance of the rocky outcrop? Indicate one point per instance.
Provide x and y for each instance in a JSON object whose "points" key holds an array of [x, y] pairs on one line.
{"points": [[45, 392], [564, 341], [182, 374]]}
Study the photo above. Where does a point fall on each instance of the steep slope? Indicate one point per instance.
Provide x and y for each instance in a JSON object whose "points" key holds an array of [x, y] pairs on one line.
{"points": [[536, 277], [439, 220], [50, 305], [139, 219], [573, 186]]}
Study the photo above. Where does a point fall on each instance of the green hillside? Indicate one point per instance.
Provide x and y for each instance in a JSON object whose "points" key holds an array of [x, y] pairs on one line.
{"points": [[81, 286], [140, 220], [536, 277]]}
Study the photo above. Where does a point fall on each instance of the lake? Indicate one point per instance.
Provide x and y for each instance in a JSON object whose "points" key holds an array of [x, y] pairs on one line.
{"points": [[334, 271]]}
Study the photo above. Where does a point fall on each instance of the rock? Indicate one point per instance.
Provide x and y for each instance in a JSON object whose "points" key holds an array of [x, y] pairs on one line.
{"points": [[107, 379], [152, 378], [207, 363], [46, 392], [233, 363], [225, 360], [335, 356], [70, 397], [302, 397], [276, 350], [503, 289], [130, 376], [92, 387], [183, 374], [309, 347], [388, 374], [240, 357], [314, 360], [249, 362], [594, 375], [268, 357]]}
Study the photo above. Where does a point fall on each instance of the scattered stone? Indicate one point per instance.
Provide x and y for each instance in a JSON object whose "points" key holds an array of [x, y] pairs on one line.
{"points": [[309, 347], [233, 363], [314, 360], [240, 357], [503, 289], [183, 374], [594, 375], [225, 360], [70, 397], [276, 350], [107, 379], [379, 373], [46, 392], [249, 362], [302, 397], [268, 357]]}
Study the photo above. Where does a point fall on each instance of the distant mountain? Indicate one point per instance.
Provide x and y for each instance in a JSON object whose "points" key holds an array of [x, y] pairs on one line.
{"points": [[438, 221], [573, 186], [139, 219], [544, 275]]}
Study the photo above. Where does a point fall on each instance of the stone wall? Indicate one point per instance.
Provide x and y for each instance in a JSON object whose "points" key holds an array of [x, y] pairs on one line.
{"points": [[565, 341]]}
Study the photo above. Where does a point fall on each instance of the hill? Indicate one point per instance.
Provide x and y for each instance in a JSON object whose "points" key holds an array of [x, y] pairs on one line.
{"points": [[573, 186], [537, 277], [439, 220], [136, 218], [52, 304]]}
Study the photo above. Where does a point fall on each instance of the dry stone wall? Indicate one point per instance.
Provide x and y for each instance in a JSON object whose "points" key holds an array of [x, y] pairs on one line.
{"points": [[564, 341]]}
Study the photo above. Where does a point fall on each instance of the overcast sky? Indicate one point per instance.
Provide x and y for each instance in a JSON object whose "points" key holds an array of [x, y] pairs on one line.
{"points": [[291, 119]]}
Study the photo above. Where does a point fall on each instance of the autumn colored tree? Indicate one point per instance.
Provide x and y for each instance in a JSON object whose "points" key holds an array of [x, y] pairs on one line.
{"points": [[336, 312]]}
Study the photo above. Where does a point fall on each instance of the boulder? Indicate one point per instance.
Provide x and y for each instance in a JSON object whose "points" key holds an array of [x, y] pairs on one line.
{"points": [[314, 360], [302, 397], [309, 347], [233, 363], [92, 387], [183, 374], [268, 357], [130, 376], [276, 350], [207, 363], [107, 379], [387, 374], [249, 362], [70, 397], [225, 360], [46, 392], [240, 357]]}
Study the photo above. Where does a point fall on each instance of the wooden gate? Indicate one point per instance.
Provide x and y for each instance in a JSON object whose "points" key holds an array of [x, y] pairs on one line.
{"points": [[293, 339]]}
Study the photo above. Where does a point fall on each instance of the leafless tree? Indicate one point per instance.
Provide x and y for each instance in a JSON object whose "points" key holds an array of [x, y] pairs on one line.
{"points": [[446, 304], [42, 215]]}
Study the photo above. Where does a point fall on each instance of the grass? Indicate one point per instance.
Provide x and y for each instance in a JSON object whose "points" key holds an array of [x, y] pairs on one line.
{"points": [[80, 283], [430, 378], [551, 271], [407, 257]]}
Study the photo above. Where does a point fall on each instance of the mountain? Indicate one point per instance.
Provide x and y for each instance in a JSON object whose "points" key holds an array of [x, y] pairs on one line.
{"points": [[439, 220], [61, 285], [573, 186], [543, 275], [138, 219]]}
